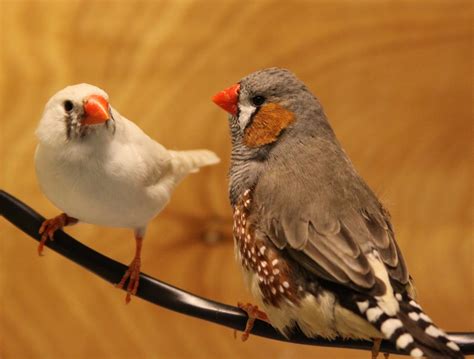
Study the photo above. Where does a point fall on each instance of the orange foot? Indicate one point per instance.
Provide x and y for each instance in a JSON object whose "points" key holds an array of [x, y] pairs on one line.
{"points": [[253, 313], [376, 349], [133, 272], [50, 226]]}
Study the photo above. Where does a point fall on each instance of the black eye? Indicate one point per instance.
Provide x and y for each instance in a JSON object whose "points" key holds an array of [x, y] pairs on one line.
{"points": [[258, 100], [68, 106]]}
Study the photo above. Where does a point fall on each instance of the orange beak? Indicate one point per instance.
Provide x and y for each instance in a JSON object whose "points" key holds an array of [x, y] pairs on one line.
{"points": [[96, 110], [228, 99]]}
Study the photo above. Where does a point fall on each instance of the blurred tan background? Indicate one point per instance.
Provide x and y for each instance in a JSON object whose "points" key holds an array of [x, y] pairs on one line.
{"points": [[395, 78]]}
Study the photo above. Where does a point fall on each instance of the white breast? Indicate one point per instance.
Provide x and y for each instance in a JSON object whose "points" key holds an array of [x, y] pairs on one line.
{"points": [[98, 192]]}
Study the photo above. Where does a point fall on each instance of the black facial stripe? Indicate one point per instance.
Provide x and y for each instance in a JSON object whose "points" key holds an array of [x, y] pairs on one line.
{"points": [[83, 130], [68, 121], [238, 99], [75, 128], [111, 122]]}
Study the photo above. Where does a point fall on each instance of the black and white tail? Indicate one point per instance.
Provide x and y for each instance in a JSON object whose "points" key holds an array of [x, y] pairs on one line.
{"points": [[410, 329]]}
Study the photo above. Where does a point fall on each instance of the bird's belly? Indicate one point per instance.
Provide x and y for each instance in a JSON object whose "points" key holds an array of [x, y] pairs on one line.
{"points": [[94, 196], [316, 315]]}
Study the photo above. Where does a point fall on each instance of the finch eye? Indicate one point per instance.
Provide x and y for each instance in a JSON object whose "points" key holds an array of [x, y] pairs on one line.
{"points": [[258, 100], [68, 106]]}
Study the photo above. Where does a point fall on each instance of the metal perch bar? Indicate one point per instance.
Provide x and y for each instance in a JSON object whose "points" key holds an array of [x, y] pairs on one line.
{"points": [[167, 296]]}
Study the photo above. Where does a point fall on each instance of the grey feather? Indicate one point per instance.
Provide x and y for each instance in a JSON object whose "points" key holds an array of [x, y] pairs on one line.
{"points": [[309, 201], [309, 197], [325, 221]]}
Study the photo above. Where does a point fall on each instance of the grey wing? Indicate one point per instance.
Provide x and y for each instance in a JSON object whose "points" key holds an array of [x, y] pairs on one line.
{"points": [[337, 250], [329, 221]]}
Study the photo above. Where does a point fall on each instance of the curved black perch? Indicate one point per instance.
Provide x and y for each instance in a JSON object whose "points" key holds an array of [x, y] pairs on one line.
{"points": [[168, 296]]}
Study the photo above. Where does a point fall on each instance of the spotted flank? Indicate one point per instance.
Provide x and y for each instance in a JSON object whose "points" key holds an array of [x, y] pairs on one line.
{"points": [[272, 271], [411, 330]]}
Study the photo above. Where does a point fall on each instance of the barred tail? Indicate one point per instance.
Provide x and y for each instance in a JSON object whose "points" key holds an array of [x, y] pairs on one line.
{"points": [[411, 330]]}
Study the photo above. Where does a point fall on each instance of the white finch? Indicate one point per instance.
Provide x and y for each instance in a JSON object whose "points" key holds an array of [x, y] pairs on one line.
{"points": [[100, 168]]}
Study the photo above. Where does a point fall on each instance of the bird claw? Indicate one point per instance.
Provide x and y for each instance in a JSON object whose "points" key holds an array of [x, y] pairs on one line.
{"points": [[253, 313], [133, 276], [376, 349], [50, 226]]}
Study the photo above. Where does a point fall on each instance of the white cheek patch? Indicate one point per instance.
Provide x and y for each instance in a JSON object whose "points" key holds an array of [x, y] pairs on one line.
{"points": [[245, 114]]}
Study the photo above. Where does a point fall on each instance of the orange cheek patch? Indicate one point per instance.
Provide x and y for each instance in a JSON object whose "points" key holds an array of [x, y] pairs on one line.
{"points": [[267, 124]]}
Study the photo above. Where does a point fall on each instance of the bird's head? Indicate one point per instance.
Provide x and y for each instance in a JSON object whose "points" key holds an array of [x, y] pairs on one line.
{"points": [[266, 104], [272, 117], [74, 114]]}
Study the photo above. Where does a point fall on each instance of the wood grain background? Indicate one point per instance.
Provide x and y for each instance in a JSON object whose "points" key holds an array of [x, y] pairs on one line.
{"points": [[395, 78]]}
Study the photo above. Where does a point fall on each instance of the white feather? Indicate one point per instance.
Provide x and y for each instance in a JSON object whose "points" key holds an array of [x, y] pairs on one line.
{"points": [[245, 114], [403, 340], [389, 326], [453, 346], [425, 318], [414, 316], [363, 306], [433, 331], [416, 353], [387, 302], [373, 314], [120, 179]]}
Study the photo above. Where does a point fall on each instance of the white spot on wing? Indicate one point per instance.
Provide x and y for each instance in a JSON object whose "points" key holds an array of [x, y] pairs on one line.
{"points": [[363, 306], [433, 331], [399, 297], [403, 340], [387, 301], [425, 318], [414, 316], [453, 345], [373, 314], [416, 353], [389, 326], [415, 304]]}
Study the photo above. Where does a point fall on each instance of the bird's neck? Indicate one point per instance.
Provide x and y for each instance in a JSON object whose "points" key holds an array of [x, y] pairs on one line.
{"points": [[245, 169]]}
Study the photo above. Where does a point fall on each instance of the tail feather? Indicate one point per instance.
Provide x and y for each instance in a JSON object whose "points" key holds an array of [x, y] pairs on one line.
{"points": [[410, 329], [190, 161]]}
